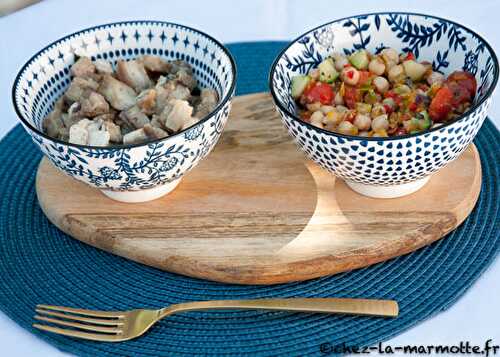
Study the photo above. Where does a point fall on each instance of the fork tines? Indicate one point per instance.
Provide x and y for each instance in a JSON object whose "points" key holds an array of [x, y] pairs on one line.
{"points": [[104, 325]]}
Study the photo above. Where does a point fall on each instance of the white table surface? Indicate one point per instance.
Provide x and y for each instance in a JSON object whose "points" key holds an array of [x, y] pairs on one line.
{"points": [[475, 317]]}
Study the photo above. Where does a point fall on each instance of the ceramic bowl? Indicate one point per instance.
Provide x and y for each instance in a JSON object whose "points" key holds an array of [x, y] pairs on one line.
{"points": [[394, 166], [133, 173]]}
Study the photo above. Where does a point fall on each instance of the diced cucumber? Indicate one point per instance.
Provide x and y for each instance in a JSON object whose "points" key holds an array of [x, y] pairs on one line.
{"points": [[359, 59], [425, 121], [414, 70], [299, 83], [327, 71]]}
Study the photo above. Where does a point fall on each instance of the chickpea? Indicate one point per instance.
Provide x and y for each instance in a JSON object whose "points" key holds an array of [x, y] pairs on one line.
{"points": [[390, 54], [363, 122], [377, 110], [435, 78], [402, 89], [364, 133], [312, 107], [350, 76], [333, 117], [326, 108], [380, 123], [314, 73], [340, 61], [396, 74], [317, 116], [381, 84], [389, 65], [339, 100], [341, 108], [347, 128], [376, 66]]}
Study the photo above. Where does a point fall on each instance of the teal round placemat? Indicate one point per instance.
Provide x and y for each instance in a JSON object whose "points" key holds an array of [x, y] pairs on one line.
{"points": [[40, 264]]}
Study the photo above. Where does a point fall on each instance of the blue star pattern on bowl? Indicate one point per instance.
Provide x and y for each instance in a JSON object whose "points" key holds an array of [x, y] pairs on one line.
{"points": [[395, 160], [46, 76]]}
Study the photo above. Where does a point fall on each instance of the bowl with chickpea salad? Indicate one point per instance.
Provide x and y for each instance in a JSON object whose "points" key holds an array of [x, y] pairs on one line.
{"points": [[384, 100]]}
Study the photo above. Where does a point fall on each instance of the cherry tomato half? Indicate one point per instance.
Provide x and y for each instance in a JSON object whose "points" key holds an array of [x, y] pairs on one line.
{"points": [[410, 56], [351, 96], [460, 93], [319, 92], [464, 79], [364, 76], [441, 104]]}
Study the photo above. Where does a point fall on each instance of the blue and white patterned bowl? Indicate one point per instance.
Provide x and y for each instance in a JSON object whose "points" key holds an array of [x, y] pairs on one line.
{"points": [[140, 172], [394, 166]]}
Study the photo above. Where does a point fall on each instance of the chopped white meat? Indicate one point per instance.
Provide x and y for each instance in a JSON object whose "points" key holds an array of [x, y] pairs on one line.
{"points": [[103, 67], [146, 101], [78, 87], [178, 65], [134, 74], [186, 78], [190, 122], [69, 120], [93, 105], [101, 105], [155, 64], [119, 95], [78, 133], [134, 117], [53, 123], [135, 136], [180, 92], [106, 116], [208, 102], [83, 67], [115, 134], [153, 132], [156, 122], [175, 114], [98, 138]]}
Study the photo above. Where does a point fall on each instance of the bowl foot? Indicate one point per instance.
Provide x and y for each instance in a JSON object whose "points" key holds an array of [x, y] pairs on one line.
{"points": [[142, 195], [387, 191]]}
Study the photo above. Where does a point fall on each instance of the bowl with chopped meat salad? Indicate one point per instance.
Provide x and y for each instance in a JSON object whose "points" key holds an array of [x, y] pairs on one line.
{"points": [[127, 107], [384, 100]]}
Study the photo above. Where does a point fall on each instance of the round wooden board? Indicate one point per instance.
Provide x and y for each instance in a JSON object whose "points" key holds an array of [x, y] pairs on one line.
{"points": [[256, 211]]}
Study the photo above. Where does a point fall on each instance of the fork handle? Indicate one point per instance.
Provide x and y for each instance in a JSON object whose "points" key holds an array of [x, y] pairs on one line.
{"points": [[369, 307]]}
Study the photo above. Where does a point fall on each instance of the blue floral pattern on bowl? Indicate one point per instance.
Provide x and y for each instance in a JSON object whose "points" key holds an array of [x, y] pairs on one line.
{"points": [[46, 76], [385, 163]]}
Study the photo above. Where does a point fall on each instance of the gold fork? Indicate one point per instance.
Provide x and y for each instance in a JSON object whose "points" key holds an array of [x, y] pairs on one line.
{"points": [[115, 326]]}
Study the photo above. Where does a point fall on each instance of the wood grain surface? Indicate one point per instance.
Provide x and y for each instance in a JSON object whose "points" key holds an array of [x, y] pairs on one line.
{"points": [[256, 211]]}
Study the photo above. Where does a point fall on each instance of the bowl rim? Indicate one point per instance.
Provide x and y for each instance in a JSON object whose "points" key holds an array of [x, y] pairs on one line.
{"points": [[390, 138], [219, 106]]}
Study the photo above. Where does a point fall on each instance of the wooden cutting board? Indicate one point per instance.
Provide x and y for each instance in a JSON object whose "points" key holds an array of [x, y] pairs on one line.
{"points": [[257, 212]]}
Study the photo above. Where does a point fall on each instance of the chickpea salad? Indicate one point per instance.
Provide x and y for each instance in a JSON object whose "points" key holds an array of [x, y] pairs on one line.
{"points": [[380, 95]]}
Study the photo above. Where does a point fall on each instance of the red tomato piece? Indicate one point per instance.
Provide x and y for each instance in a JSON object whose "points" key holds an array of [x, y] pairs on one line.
{"points": [[460, 93], [320, 92], [396, 97], [410, 56], [464, 79], [441, 104], [351, 96], [413, 106], [401, 131], [364, 76], [388, 109]]}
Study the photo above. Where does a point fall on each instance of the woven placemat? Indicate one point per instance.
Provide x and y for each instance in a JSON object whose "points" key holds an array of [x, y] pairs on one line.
{"points": [[40, 264]]}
